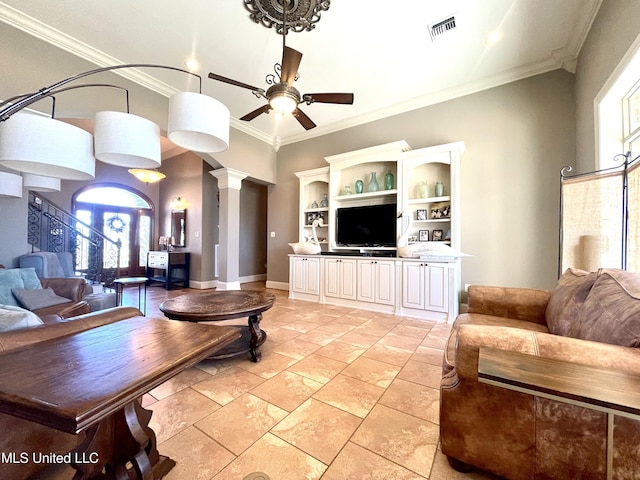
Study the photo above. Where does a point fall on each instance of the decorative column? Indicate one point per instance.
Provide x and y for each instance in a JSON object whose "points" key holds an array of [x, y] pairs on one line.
{"points": [[229, 185]]}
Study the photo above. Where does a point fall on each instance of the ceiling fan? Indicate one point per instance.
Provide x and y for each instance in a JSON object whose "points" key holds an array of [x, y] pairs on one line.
{"points": [[282, 96]]}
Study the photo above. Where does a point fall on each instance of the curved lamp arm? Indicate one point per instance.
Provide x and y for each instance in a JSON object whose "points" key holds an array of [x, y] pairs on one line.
{"points": [[30, 98]]}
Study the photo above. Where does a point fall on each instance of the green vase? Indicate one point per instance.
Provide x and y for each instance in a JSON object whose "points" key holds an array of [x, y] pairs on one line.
{"points": [[373, 183], [388, 181], [359, 186]]}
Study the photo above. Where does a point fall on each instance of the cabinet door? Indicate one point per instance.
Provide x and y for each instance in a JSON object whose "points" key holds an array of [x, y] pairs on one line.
{"points": [[313, 275], [413, 291], [299, 277], [332, 277], [348, 279], [366, 284], [385, 282], [437, 298]]}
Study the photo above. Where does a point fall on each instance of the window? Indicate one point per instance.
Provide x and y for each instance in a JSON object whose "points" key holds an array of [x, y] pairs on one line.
{"points": [[631, 121]]}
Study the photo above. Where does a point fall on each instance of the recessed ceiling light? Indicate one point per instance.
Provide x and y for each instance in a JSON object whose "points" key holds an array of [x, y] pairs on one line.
{"points": [[192, 64], [495, 37]]}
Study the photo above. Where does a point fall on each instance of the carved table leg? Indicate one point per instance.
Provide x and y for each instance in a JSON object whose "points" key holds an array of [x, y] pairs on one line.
{"points": [[256, 337], [119, 443]]}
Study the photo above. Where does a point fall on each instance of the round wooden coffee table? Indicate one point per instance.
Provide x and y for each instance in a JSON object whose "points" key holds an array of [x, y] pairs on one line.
{"points": [[225, 305]]}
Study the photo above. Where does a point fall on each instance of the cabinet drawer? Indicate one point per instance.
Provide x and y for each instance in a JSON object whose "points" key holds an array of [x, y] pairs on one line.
{"points": [[158, 259]]}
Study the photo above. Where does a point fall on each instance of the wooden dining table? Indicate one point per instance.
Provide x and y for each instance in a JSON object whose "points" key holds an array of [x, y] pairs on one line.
{"points": [[93, 381]]}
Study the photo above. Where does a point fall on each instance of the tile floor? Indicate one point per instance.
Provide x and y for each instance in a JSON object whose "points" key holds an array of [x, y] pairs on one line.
{"points": [[339, 394]]}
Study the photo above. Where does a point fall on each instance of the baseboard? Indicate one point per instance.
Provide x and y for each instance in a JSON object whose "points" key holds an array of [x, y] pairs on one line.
{"points": [[278, 285], [253, 278], [203, 285]]}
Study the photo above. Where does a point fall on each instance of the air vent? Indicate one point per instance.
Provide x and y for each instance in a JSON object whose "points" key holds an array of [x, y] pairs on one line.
{"points": [[442, 27]]}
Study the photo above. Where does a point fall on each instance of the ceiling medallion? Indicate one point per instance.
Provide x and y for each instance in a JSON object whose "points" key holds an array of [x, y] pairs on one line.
{"points": [[301, 14]]}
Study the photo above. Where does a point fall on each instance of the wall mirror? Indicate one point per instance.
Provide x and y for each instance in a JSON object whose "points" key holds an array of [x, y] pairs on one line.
{"points": [[178, 228]]}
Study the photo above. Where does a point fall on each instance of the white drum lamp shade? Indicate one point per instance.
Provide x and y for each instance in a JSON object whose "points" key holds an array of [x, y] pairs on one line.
{"points": [[39, 183], [198, 122], [44, 146], [10, 185], [126, 140]]}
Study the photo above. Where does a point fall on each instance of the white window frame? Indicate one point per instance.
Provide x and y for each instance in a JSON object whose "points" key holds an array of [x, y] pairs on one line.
{"points": [[610, 109]]}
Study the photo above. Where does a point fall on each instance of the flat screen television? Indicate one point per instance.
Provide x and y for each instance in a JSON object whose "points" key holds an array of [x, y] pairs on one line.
{"points": [[368, 226]]}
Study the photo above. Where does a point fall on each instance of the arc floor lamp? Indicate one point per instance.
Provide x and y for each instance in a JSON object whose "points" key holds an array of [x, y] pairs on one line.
{"points": [[42, 146]]}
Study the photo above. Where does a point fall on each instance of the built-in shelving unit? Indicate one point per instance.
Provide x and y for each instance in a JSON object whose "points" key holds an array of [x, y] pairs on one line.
{"points": [[374, 277]]}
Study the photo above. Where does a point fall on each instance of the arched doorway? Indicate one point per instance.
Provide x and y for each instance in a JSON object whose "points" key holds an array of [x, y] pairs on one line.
{"points": [[120, 213]]}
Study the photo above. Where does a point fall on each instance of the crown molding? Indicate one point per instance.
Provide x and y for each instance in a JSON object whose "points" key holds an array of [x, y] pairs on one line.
{"points": [[78, 48]]}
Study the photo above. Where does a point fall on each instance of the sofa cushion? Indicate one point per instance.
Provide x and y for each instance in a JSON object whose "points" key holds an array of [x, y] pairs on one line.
{"points": [[567, 299], [611, 311], [14, 318], [39, 298]]}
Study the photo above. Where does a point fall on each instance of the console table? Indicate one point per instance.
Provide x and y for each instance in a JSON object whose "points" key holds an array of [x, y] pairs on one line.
{"points": [[93, 380], [169, 263], [610, 391]]}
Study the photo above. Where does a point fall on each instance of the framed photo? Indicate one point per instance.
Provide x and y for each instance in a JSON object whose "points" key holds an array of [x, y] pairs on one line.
{"points": [[441, 210], [437, 235], [421, 214], [412, 239], [423, 235]]}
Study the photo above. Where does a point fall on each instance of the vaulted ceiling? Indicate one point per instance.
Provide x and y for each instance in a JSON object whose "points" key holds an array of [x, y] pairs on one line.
{"points": [[381, 51]]}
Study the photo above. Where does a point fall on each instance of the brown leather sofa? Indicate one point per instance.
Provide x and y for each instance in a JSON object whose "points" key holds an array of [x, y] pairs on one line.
{"points": [[71, 288], [22, 437], [589, 318]]}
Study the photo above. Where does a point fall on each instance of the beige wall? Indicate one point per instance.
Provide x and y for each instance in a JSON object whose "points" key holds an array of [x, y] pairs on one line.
{"points": [[612, 33], [253, 229], [517, 136]]}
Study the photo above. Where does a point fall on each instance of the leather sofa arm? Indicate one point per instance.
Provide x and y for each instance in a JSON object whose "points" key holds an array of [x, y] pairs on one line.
{"points": [[518, 303], [603, 355], [64, 310], [71, 288]]}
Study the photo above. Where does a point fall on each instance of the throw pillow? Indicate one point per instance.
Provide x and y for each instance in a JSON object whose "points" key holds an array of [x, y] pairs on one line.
{"points": [[14, 318], [9, 278], [567, 299], [36, 299], [611, 311]]}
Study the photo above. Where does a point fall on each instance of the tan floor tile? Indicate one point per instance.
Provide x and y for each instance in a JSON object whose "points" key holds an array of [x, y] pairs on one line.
{"points": [[375, 328], [318, 368], [360, 339], [296, 349], [281, 335], [336, 327], [197, 456], [422, 373], [355, 462], [302, 326], [213, 367], [414, 399], [350, 394], [318, 429], [343, 352], [418, 322], [392, 355], [227, 385], [148, 400], [411, 331], [400, 341], [181, 381], [372, 371], [320, 337], [404, 439], [239, 424], [287, 390], [272, 363], [432, 356], [275, 457], [179, 411]]}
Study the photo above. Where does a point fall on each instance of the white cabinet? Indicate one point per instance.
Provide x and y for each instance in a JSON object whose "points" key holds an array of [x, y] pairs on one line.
{"points": [[376, 281], [304, 277], [426, 286], [340, 278]]}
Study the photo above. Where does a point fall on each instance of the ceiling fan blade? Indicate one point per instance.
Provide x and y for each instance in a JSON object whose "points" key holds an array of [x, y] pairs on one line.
{"points": [[290, 62], [230, 81], [304, 120], [251, 115], [344, 98]]}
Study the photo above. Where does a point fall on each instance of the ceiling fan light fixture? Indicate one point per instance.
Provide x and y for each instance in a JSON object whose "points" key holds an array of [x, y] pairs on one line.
{"points": [[283, 103]]}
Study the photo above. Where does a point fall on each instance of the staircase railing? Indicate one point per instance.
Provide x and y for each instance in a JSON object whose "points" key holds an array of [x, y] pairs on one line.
{"points": [[53, 229]]}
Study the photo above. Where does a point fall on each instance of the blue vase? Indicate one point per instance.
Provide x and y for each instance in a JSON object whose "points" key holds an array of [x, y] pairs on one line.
{"points": [[359, 186], [373, 183]]}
